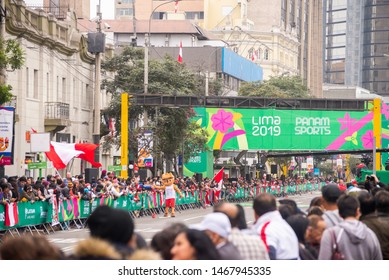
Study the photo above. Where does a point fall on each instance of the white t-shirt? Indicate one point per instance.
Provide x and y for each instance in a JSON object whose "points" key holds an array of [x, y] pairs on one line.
{"points": [[169, 192]]}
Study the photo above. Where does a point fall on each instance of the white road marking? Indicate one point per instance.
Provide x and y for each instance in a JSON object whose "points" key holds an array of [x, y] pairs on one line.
{"points": [[138, 230], [193, 218]]}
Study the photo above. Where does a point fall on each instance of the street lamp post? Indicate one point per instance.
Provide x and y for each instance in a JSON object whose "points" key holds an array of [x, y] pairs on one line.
{"points": [[97, 99], [147, 45]]}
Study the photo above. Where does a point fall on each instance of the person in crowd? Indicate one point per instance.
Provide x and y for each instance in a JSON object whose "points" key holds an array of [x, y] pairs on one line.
{"points": [[342, 186], [292, 204], [111, 230], [382, 205], [39, 190], [193, 244], [62, 191], [22, 181], [286, 211], [163, 241], [6, 195], [314, 233], [330, 194], [29, 247], [250, 247], [315, 210], [355, 241], [145, 254], [277, 235], [299, 224], [28, 194], [370, 218], [218, 227], [241, 222], [316, 201], [14, 189]]}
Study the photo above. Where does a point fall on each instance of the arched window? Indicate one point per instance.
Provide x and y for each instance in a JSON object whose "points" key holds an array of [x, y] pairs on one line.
{"points": [[266, 54]]}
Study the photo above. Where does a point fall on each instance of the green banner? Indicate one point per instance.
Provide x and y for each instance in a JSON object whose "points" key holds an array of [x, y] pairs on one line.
{"points": [[274, 129], [201, 163], [37, 165]]}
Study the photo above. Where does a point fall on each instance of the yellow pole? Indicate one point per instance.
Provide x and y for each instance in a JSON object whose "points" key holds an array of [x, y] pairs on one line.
{"points": [[377, 129], [124, 136]]}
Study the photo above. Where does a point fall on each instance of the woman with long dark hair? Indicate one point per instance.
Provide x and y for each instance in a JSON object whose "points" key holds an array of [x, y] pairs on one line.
{"points": [[193, 244]]}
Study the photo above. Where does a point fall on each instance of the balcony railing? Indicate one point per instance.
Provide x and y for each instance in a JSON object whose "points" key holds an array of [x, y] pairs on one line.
{"points": [[58, 12], [56, 110]]}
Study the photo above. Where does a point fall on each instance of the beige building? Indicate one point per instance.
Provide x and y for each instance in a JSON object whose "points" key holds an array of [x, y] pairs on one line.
{"points": [[59, 8], [283, 37], [124, 9], [54, 90]]}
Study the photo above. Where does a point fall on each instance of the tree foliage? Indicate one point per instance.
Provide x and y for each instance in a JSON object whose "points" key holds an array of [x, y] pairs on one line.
{"points": [[276, 87], [12, 58], [173, 133]]}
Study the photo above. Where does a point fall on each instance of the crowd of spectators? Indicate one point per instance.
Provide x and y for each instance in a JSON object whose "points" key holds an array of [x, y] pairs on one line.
{"points": [[349, 222], [23, 189]]}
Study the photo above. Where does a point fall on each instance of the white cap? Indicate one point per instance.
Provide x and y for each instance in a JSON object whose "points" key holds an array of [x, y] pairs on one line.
{"points": [[215, 222]]}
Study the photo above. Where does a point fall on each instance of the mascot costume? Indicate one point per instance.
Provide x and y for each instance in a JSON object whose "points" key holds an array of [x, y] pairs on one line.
{"points": [[170, 192]]}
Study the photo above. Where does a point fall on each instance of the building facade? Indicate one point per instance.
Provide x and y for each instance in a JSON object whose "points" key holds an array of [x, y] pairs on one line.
{"points": [[59, 8], [144, 9], [356, 44], [54, 91]]}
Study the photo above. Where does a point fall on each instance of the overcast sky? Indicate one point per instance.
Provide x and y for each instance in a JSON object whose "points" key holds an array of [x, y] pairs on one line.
{"points": [[107, 7]]}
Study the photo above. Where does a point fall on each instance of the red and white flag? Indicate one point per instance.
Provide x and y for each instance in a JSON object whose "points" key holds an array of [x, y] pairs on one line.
{"points": [[219, 179], [62, 153], [176, 7], [180, 53], [11, 214]]}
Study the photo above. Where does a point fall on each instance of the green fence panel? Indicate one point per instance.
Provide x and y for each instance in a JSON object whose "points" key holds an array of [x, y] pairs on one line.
{"points": [[85, 209], [31, 214]]}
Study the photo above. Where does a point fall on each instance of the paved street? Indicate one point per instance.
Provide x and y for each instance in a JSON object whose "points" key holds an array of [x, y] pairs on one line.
{"points": [[148, 226]]}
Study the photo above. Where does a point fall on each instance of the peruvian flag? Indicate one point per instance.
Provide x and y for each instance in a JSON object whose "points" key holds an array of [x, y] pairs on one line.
{"points": [[219, 179], [62, 153], [11, 214], [176, 7], [180, 53]]}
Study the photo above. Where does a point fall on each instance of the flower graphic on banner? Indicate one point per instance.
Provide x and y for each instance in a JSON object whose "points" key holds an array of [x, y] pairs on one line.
{"points": [[346, 122], [368, 139], [222, 122], [353, 138]]}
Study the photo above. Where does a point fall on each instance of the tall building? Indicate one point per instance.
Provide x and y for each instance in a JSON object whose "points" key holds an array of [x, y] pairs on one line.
{"points": [[60, 7], [284, 37], [356, 44]]}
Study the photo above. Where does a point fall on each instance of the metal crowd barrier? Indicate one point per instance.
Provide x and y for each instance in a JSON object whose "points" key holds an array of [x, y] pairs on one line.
{"points": [[44, 217]]}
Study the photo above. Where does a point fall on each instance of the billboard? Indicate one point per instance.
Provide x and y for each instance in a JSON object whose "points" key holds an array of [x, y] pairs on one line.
{"points": [[275, 129], [7, 120]]}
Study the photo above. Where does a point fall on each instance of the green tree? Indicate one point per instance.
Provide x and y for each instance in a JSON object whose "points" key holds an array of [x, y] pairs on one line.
{"points": [[276, 87], [173, 133], [11, 58]]}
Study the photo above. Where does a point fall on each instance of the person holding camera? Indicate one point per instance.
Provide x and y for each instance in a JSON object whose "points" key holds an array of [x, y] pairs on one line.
{"points": [[372, 182]]}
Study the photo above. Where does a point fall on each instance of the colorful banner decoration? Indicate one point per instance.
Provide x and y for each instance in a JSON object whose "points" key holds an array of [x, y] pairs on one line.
{"points": [[7, 123], [145, 145], [274, 129]]}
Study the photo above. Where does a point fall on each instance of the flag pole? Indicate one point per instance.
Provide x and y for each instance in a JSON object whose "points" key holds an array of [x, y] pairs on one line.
{"points": [[56, 171]]}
